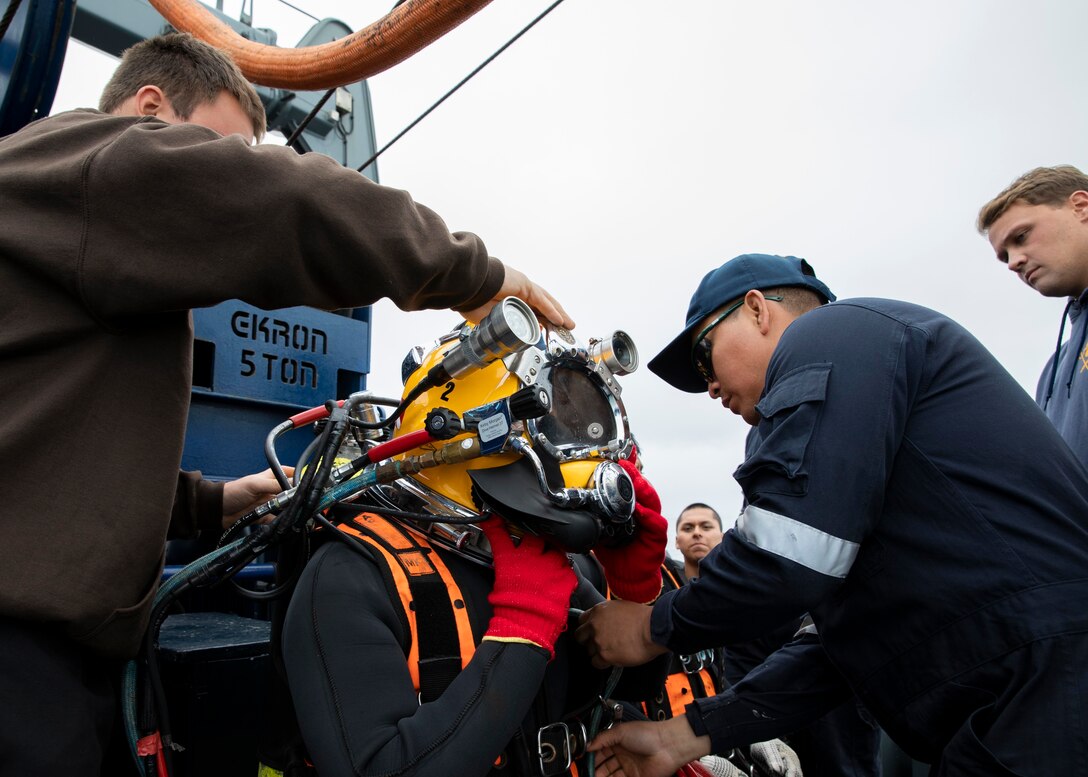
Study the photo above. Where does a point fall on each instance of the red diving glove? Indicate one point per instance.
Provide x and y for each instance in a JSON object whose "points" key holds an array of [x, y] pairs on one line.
{"points": [[533, 584], [633, 571]]}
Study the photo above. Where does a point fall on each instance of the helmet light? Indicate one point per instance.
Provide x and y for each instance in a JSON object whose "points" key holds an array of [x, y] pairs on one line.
{"points": [[617, 352], [510, 327]]}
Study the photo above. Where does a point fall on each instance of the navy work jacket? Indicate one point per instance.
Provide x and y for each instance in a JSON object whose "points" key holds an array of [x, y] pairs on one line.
{"points": [[907, 493]]}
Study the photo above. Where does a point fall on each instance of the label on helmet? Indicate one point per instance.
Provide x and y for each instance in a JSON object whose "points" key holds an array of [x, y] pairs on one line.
{"points": [[493, 427]]}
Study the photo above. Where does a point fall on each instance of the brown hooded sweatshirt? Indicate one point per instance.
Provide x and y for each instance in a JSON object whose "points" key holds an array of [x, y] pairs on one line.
{"points": [[111, 230]]}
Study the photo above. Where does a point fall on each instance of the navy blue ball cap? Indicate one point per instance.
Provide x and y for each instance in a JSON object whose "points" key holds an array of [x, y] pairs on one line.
{"points": [[729, 282]]}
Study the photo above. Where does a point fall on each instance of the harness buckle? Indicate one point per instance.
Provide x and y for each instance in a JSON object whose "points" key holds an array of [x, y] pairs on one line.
{"points": [[695, 662], [558, 744], [611, 711]]}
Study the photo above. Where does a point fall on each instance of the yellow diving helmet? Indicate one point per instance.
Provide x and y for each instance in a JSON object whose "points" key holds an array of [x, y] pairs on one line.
{"points": [[547, 415]]}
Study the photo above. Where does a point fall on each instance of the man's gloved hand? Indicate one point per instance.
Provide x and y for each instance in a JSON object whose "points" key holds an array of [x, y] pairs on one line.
{"points": [[717, 766], [776, 757], [533, 584], [633, 571]]}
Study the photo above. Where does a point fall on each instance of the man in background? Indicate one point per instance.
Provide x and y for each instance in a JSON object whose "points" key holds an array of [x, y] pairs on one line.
{"points": [[700, 674], [698, 531], [1038, 227]]}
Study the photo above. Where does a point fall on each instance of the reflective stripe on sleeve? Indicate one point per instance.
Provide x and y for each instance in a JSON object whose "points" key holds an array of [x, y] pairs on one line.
{"points": [[809, 547], [807, 627]]}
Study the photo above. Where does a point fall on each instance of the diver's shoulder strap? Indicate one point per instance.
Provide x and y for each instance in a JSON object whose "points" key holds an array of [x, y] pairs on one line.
{"points": [[427, 592]]}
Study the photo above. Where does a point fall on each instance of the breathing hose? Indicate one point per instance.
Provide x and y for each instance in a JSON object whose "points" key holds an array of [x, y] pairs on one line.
{"points": [[168, 591], [598, 711]]}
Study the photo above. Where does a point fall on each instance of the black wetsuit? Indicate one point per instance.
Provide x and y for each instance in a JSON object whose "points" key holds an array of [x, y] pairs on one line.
{"points": [[345, 652]]}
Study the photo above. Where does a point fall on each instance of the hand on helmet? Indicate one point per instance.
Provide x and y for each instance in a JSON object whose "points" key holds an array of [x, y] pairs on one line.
{"points": [[633, 571], [517, 284], [533, 583]]}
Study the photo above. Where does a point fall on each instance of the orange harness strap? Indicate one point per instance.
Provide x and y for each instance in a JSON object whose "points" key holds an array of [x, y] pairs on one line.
{"points": [[678, 688], [677, 583], [413, 562]]}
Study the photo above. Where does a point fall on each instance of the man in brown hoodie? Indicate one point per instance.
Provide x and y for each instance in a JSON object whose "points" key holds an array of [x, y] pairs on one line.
{"points": [[114, 224]]}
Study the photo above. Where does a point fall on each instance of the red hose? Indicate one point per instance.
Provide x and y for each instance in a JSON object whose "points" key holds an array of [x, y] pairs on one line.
{"points": [[311, 415], [401, 444]]}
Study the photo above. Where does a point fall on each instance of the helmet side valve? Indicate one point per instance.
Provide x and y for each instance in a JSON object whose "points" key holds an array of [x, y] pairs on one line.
{"points": [[611, 494], [450, 453], [388, 470]]}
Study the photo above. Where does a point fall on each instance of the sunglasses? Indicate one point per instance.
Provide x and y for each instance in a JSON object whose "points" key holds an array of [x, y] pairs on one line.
{"points": [[700, 350]]}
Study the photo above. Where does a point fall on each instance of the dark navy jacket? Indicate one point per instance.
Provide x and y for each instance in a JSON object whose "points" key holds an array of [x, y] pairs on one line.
{"points": [[911, 497]]}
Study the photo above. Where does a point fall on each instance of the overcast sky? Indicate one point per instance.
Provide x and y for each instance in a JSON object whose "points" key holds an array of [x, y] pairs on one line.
{"points": [[623, 148]]}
